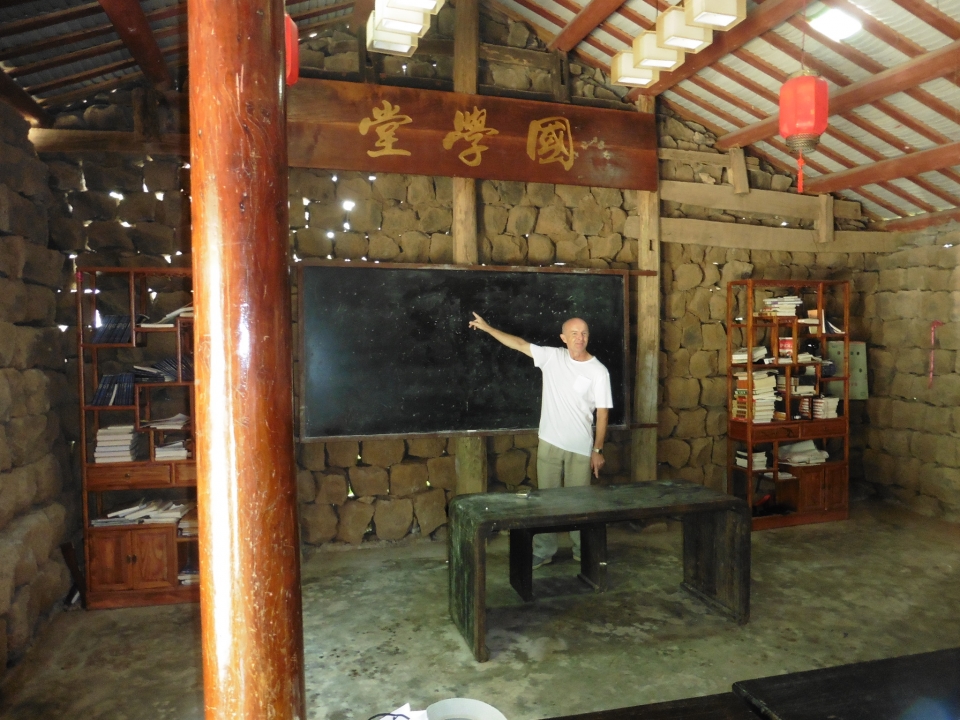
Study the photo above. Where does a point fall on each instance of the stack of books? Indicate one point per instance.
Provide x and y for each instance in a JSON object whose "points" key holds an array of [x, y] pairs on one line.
{"points": [[174, 422], [785, 306], [165, 370], [175, 450], [146, 512], [740, 355], [781, 475], [114, 390], [758, 404], [760, 459], [189, 576], [112, 329], [825, 407], [802, 386], [117, 443], [188, 525]]}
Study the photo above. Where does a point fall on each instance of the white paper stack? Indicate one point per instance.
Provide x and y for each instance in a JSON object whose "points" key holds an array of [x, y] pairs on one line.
{"points": [[117, 443], [825, 407], [172, 451], [785, 306], [802, 453], [152, 511], [740, 354], [760, 459]]}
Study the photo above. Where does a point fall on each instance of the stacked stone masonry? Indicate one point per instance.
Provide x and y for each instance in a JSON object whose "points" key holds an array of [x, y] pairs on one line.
{"points": [[39, 494]]}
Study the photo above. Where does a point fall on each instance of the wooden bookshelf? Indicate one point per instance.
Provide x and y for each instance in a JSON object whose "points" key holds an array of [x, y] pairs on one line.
{"points": [[136, 562], [781, 494]]}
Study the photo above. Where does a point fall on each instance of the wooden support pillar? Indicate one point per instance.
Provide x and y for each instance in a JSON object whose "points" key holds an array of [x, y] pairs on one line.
{"points": [[250, 603], [824, 223], [738, 172], [644, 440], [471, 450]]}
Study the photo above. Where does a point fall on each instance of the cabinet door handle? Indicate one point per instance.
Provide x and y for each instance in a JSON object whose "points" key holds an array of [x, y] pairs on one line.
{"points": [[126, 475]]}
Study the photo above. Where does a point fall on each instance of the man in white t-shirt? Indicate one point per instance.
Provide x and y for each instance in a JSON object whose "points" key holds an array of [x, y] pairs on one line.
{"points": [[575, 384]]}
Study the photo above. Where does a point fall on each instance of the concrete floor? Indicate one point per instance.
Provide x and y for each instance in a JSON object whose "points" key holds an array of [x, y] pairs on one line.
{"points": [[377, 633]]}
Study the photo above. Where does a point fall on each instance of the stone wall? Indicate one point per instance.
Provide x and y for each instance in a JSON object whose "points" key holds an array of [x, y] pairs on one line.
{"points": [[39, 492], [912, 453]]}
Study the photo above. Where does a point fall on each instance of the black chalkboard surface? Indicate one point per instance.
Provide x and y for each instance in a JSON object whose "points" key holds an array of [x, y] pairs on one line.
{"points": [[385, 349]]}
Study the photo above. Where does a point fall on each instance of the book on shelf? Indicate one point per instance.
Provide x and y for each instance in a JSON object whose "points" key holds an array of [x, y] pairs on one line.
{"points": [[169, 320], [165, 370], [114, 389], [174, 422], [112, 329], [120, 443], [740, 355], [175, 450], [783, 306], [145, 512], [189, 526], [804, 452]]}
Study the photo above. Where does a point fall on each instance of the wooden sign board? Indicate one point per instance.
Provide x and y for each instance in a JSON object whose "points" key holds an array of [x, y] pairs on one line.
{"points": [[375, 128]]}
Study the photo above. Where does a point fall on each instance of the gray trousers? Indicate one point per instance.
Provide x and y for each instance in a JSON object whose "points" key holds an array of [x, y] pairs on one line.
{"points": [[558, 468]]}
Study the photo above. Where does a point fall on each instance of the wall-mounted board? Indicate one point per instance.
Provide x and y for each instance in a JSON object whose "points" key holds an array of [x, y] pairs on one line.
{"points": [[386, 350]]}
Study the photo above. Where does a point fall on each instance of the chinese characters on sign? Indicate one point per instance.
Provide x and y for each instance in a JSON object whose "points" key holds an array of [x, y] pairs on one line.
{"points": [[549, 140], [471, 127], [385, 122]]}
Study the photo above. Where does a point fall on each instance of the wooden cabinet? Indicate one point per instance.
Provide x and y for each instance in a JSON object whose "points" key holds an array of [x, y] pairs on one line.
{"points": [[132, 559], [136, 371], [782, 394]]}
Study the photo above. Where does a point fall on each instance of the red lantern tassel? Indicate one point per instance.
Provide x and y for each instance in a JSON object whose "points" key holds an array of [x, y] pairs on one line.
{"points": [[800, 164]]}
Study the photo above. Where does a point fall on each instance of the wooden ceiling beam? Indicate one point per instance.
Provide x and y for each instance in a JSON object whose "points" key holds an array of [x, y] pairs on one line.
{"points": [[63, 40], [899, 167], [134, 29], [932, 16], [22, 101], [767, 17], [87, 53], [912, 223], [909, 74], [95, 72], [584, 22], [48, 19]]}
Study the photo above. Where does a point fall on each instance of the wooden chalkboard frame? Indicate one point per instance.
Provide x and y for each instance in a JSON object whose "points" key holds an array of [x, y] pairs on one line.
{"points": [[367, 265]]}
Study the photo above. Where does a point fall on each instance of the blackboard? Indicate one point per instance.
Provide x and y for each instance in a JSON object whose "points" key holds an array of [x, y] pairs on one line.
{"points": [[386, 350]]}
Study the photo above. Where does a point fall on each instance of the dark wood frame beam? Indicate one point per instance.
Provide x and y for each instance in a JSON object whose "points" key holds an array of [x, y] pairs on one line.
{"points": [[899, 167], [96, 72], [83, 35], [907, 75], [22, 101], [47, 19], [584, 23], [134, 29], [912, 223]]}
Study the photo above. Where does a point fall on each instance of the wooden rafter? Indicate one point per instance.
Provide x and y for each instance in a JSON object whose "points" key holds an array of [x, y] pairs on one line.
{"points": [[96, 72], [932, 16], [134, 29], [909, 74], [584, 23], [768, 16], [22, 101], [87, 53], [913, 223], [66, 39], [903, 166], [48, 19]]}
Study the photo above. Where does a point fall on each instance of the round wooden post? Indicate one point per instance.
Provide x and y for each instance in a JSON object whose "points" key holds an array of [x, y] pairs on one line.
{"points": [[249, 540]]}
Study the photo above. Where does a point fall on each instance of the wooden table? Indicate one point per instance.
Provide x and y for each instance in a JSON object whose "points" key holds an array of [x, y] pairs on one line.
{"points": [[874, 690], [716, 542]]}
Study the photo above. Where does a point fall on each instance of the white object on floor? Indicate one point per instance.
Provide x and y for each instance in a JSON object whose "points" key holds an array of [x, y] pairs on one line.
{"points": [[463, 709]]}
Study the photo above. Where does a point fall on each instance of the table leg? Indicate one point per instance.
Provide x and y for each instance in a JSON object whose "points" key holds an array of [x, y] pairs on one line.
{"points": [[521, 563], [716, 560], [467, 554], [593, 556]]}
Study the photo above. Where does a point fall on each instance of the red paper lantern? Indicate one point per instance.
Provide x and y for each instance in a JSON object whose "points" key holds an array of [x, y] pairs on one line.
{"points": [[804, 100], [292, 38]]}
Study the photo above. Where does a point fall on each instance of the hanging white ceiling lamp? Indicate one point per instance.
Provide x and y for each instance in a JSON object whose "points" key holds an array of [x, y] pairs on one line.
{"points": [[673, 31], [426, 6], [647, 53], [624, 72], [409, 22], [719, 14], [389, 43]]}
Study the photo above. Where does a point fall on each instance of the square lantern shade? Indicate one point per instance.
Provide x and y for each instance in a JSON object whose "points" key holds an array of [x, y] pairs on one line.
{"points": [[719, 14], [395, 20], [389, 43], [646, 53], [624, 72], [673, 31], [424, 6]]}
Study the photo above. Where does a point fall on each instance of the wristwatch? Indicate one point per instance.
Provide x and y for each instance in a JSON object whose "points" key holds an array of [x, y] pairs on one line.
{"points": [[599, 451]]}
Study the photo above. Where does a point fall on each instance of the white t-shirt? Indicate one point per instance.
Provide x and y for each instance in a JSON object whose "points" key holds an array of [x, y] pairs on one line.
{"points": [[572, 390]]}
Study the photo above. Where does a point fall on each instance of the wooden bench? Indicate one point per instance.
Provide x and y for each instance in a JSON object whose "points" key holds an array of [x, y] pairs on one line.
{"points": [[872, 690], [716, 542]]}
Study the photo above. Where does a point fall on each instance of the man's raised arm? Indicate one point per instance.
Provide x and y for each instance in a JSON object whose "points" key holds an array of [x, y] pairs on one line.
{"points": [[511, 341]]}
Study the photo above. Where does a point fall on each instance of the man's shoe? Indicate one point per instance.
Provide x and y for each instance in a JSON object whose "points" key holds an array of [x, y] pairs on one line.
{"points": [[540, 562]]}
